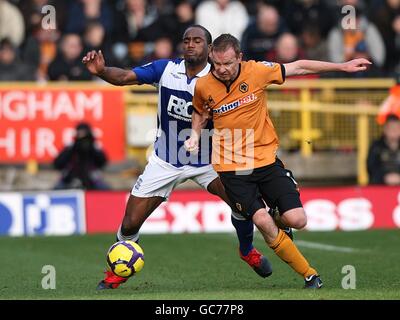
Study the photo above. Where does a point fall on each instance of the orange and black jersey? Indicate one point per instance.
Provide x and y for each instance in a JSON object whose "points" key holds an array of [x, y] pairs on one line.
{"points": [[244, 136]]}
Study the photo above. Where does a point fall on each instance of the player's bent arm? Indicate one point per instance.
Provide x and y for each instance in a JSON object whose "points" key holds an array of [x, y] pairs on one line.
{"points": [[118, 76], [96, 64], [199, 121], [302, 67]]}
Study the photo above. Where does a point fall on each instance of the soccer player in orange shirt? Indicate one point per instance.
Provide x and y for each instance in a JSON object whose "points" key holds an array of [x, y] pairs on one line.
{"points": [[245, 142]]}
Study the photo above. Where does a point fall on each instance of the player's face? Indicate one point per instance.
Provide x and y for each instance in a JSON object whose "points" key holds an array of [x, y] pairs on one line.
{"points": [[226, 64], [392, 130], [195, 48]]}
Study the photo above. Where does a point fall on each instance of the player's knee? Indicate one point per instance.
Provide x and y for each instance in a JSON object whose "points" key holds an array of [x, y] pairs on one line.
{"points": [[299, 222], [295, 218], [262, 219]]}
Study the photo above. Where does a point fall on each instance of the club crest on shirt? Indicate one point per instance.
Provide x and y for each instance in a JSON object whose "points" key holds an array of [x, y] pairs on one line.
{"points": [[209, 104], [210, 101], [243, 87]]}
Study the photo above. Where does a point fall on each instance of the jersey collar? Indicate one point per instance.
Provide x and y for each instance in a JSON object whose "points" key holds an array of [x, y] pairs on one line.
{"points": [[205, 71]]}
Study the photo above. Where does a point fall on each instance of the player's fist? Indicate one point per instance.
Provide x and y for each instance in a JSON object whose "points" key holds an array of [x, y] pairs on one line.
{"points": [[94, 62], [192, 145], [356, 65]]}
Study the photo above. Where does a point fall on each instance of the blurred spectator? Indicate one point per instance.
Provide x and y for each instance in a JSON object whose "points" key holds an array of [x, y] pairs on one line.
{"points": [[81, 12], [132, 20], [67, 64], [81, 163], [347, 44], [11, 23], [286, 50], [387, 19], [11, 68], [163, 7], [40, 49], [137, 53], [222, 16], [260, 36], [163, 49], [391, 105], [384, 155], [174, 25], [40, 45], [94, 39], [300, 12], [315, 47]]}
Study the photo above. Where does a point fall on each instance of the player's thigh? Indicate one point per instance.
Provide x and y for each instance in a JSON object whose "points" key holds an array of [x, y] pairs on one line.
{"points": [[208, 179], [216, 187], [158, 179], [243, 194], [204, 176], [279, 188]]}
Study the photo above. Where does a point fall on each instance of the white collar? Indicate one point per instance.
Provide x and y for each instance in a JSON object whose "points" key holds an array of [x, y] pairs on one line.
{"points": [[205, 71]]}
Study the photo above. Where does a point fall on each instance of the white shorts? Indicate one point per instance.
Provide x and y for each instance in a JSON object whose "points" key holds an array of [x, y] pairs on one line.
{"points": [[160, 178]]}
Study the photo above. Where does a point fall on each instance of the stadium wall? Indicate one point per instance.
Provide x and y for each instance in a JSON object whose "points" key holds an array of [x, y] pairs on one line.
{"points": [[79, 212]]}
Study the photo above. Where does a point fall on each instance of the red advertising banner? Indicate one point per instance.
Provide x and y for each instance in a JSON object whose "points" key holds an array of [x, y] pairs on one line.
{"points": [[36, 123], [328, 209]]}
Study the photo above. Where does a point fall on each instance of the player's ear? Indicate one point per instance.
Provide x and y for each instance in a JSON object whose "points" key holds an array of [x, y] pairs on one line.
{"points": [[240, 57], [210, 60]]}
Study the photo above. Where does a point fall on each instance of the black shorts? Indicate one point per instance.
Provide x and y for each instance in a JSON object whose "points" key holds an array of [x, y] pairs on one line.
{"points": [[272, 185]]}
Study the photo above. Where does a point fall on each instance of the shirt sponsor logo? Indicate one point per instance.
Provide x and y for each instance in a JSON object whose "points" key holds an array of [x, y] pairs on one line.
{"points": [[179, 108], [233, 105]]}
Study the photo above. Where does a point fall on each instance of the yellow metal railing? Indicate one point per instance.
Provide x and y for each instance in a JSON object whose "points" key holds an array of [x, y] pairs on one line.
{"points": [[312, 115], [309, 115], [334, 114]]}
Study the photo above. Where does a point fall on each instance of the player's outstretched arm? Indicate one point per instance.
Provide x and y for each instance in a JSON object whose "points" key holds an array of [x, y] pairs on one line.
{"points": [[95, 63], [301, 67]]}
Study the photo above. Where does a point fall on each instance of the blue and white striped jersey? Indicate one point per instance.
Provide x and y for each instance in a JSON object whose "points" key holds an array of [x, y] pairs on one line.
{"points": [[174, 118]]}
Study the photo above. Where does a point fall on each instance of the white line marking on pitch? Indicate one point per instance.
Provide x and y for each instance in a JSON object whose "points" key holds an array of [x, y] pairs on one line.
{"points": [[317, 245], [326, 247]]}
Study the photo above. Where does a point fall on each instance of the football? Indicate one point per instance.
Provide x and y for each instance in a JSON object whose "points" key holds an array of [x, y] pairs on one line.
{"points": [[125, 258]]}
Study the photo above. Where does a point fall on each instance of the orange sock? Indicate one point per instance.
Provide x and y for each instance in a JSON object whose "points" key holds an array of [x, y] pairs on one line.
{"points": [[285, 249]]}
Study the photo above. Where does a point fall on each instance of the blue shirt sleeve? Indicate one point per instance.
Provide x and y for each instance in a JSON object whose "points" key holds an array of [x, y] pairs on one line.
{"points": [[151, 73]]}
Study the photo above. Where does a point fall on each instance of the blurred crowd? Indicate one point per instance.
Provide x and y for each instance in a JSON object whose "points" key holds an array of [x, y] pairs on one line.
{"points": [[133, 32]]}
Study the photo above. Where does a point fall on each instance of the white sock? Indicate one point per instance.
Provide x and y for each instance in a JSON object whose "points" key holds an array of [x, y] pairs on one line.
{"points": [[121, 237]]}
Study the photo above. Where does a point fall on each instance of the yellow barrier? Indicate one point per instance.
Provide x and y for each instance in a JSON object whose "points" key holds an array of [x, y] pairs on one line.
{"points": [[309, 115], [312, 115]]}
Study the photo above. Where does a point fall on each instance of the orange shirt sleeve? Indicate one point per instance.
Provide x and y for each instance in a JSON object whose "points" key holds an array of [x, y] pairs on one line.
{"points": [[270, 73], [197, 100]]}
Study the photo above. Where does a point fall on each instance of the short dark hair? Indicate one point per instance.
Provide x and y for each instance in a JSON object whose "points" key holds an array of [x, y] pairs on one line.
{"points": [[226, 41], [84, 126], [6, 43], [392, 117], [206, 32]]}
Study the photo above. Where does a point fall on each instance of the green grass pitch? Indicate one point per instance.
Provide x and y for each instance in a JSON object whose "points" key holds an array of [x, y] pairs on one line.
{"points": [[202, 266]]}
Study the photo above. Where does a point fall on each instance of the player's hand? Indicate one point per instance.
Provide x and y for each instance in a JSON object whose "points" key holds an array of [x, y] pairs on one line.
{"points": [[94, 62], [192, 145], [356, 65], [208, 114]]}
